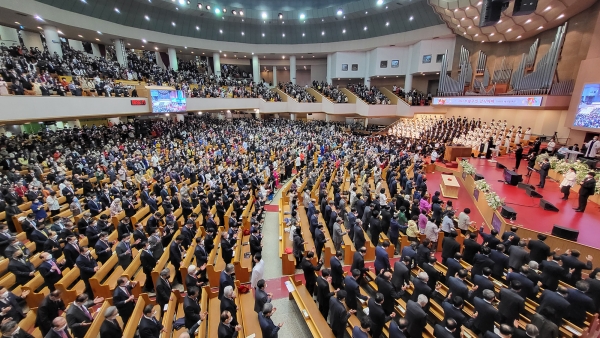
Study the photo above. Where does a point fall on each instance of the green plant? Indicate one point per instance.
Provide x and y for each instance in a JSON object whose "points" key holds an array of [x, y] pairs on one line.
{"points": [[482, 186], [493, 200], [468, 168]]}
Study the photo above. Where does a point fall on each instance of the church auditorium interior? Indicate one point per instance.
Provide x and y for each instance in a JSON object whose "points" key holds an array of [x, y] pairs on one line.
{"points": [[342, 168]]}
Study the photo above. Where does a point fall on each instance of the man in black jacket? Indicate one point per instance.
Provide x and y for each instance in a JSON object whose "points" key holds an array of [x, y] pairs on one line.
{"points": [[449, 247], [49, 309], [87, 267], [228, 303], [553, 272], [389, 292], [570, 260], [21, 268], [149, 327], [587, 189], [511, 303], [337, 272], [544, 168], [148, 263], [538, 250], [164, 289], [339, 316], [309, 271], [556, 301], [323, 293], [353, 289], [470, 248], [110, 326], [486, 313], [358, 261], [261, 297], [401, 275], [226, 328], [416, 316], [482, 260], [191, 308], [124, 299], [377, 315]]}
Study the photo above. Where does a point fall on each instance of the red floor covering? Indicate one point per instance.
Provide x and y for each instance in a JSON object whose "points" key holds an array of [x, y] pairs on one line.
{"points": [[530, 214]]}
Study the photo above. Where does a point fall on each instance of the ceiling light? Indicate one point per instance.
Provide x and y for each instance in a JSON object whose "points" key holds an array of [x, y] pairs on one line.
{"points": [[243, 33], [208, 7], [39, 18], [476, 34], [185, 47], [465, 33], [500, 41], [509, 30], [221, 31], [470, 27], [500, 21], [173, 23], [144, 40], [17, 22], [492, 34], [241, 13], [224, 10], [283, 35], [379, 2], [81, 36], [340, 12], [548, 8], [456, 10], [302, 16], [156, 48], [99, 40], [59, 32], [217, 11], [181, 2], [220, 51], [344, 16], [146, 17], [344, 31], [99, 32], [242, 20], [85, 2], [322, 20], [468, 8], [264, 15], [366, 12], [411, 18], [540, 27], [365, 28], [234, 12], [528, 21], [475, 18], [176, 8], [40, 27], [192, 52], [387, 23], [199, 6], [282, 22], [518, 37], [479, 3], [561, 16], [117, 10], [302, 34], [313, 56], [323, 33], [283, 57], [128, 44], [225, 55], [197, 28], [263, 34], [280, 16], [461, 19]]}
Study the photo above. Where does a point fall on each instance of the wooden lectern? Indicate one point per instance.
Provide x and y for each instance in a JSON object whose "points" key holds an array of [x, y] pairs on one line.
{"points": [[453, 152]]}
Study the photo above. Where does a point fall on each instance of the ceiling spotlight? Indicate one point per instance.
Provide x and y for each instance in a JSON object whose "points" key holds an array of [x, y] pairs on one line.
{"points": [[540, 27], [144, 40], [99, 40], [225, 55], [548, 8], [461, 19], [492, 34], [39, 27], [323, 33], [366, 12], [476, 34], [221, 31], [81, 36], [302, 16], [176, 8], [199, 6], [156, 48], [456, 9], [470, 27], [146, 17], [283, 35], [17, 22], [128, 44], [224, 10], [561, 16], [234, 12], [85, 2], [185, 47], [365, 28], [411, 18], [479, 3], [283, 57], [302, 34], [518, 37], [468, 8], [99, 32], [500, 21], [528, 21], [387, 23], [59, 32], [465, 33], [263, 35], [280, 16], [380, 2], [173, 23], [344, 31], [39, 18], [242, 13], [509, 30], [181, 2], [217, 11], [264, 15], [243, 34], [340, 12], [208, 7], [117, 10], [475, 18], [500, 41], [197, 28]]}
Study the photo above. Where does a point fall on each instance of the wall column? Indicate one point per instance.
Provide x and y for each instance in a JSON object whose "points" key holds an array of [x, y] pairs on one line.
{"points": [[274, 76], [366, 122], [326, 117], [96, 50], [329, 69], [159, 61], [52, 40], [408, 78], [293, 117], [173, 59], [256, 69], [293, 69], [120, 51], [367, 81], [408, 82], [217, 64]]}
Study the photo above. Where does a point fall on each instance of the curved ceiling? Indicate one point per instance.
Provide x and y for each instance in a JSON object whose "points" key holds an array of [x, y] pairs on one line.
{"points": [[302, 22], [463, 16]]}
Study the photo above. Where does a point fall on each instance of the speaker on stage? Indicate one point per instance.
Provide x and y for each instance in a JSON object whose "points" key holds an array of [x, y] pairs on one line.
{"points": [[508, 212], [511, 177], [533, 193], [525, 186], [500, 165], [547, 205], [565, 233], [478, 177]]}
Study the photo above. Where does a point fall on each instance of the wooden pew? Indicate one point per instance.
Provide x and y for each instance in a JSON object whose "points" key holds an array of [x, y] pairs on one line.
{"points": [[94, 330], [104, 280], [288, 261], [69, 285], [28, 324], [242, 262], [215, 261], [249, 317], [138, 311], [314, 320], [169, 315]]}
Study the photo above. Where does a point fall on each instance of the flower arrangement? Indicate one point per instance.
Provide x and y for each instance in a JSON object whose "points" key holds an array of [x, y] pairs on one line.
{"points": [[482, 186], [468, 168], [552, 159], [493, 200]]}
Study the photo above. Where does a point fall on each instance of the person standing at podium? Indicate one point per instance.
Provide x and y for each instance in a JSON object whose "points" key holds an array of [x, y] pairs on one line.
{"points": [[544, 168]]}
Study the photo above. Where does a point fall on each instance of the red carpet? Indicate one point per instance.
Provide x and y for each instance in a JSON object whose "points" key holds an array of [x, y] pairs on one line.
{"points": [[529, 213], [271, 207]]}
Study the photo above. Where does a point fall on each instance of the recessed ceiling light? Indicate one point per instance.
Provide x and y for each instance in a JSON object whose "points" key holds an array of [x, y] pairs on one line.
{"points": [[475, 18], [199, 6], [366, 12], [224, 10], [144, 40], [84, 1], [528, 21], [344, 31], [479, 3], [509, 30], [242, 13], [17, 22], [411, 18], [461, 19], [379, 2], [81, 36], [500, 41], [173, 23], [500, 21], [387, 23], [468, 8], [322, 20], [540, 27], [470, 27], [283, 35], [197, 28], [339, 12], [192, 52], [561, 16], [283, 57], [252, 53], [302, 16], [243, 34], [492, 34], [302, 34], [313, 56], [221, 31], [99, 40], [40, 27], [282, 22], [280, 16], [59, 32], [477, 34], [323, 33], [465, 33], [234, 12], [181, 2], [184, 47], [225, 55], [128, 44], [518, 37], [456, 9], [365, 28], [156, 48], [548, 8], [217, 11], [117, 10], [208, 7], [264, 15], [263, 34], [146, 17]]}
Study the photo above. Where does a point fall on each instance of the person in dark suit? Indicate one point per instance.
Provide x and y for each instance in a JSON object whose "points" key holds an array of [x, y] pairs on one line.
{"points": [[483, 282], [323, 293], [377, 315], [39, 236], [352, 289], [176, 256], [309, 271], [320, 240], [149, 327], [47, 310], [228, 303], [518, 156], [401, 275], [481, 261], [410, 251], [191, 308], [423, 252], [446, 330], [570, 260], [457, 285], [50, 270], [337, 272], [453, 265], [226, 328], [139, 236], [84, 222], [580, 303], [594, 287], [225, 278], [518, 255], [21, 268], [528, 288], [338, 318], [470, 248], [227, 246], [79, 317], [386, 288], [587, 189], [434, 275], [420, 286], [87, 267], [538, 250], [453, 310], [59, 328], [486, 313], [164, 289], [449, 247], [416, 316], [491, 239], [556, 301], [382, 259], [92, 232], [511, 303], [501, 261], [358, 261], [359, 235], [552, 272], [261, 297], [124, 299], [103, 248], [110, 326], [544, 168], [267, 327], [255, 242], [506, 330], [123, 251]]}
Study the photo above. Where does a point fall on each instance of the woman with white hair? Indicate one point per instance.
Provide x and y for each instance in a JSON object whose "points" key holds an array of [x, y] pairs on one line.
{"points": [[75, 206], [115, 207]]}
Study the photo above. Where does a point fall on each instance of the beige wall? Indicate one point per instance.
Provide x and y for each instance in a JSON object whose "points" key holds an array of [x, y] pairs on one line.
{"points": [[577, 43]]}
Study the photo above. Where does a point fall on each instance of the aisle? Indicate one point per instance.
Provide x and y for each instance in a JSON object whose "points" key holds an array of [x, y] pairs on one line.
{"points": [[270, 231]]}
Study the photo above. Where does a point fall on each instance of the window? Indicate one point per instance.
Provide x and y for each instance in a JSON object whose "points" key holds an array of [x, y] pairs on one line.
{"points": [[354, 67], [383, 64], [438, 58], [427, 58], [395, 63], [344, 67]]}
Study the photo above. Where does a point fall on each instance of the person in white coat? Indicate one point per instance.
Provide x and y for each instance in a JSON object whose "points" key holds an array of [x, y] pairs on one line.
{"points": [[568, 181], [592, 147], [527, 134]]}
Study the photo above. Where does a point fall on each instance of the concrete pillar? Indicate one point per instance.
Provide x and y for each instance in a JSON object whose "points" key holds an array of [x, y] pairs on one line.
{"points": [[293, 117], [367, 81], [326, 117], [120, 51], [293, 69], [96, 50], [173, 59], [329, 69], [52, 40], [257, 115], [217, 64], [274, 76], [366, 122], [159, 61], [408, 82], [256, 69]]}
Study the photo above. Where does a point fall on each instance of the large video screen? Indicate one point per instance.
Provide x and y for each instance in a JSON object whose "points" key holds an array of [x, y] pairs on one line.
{"points": [[588, 111], [168, 101]]}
